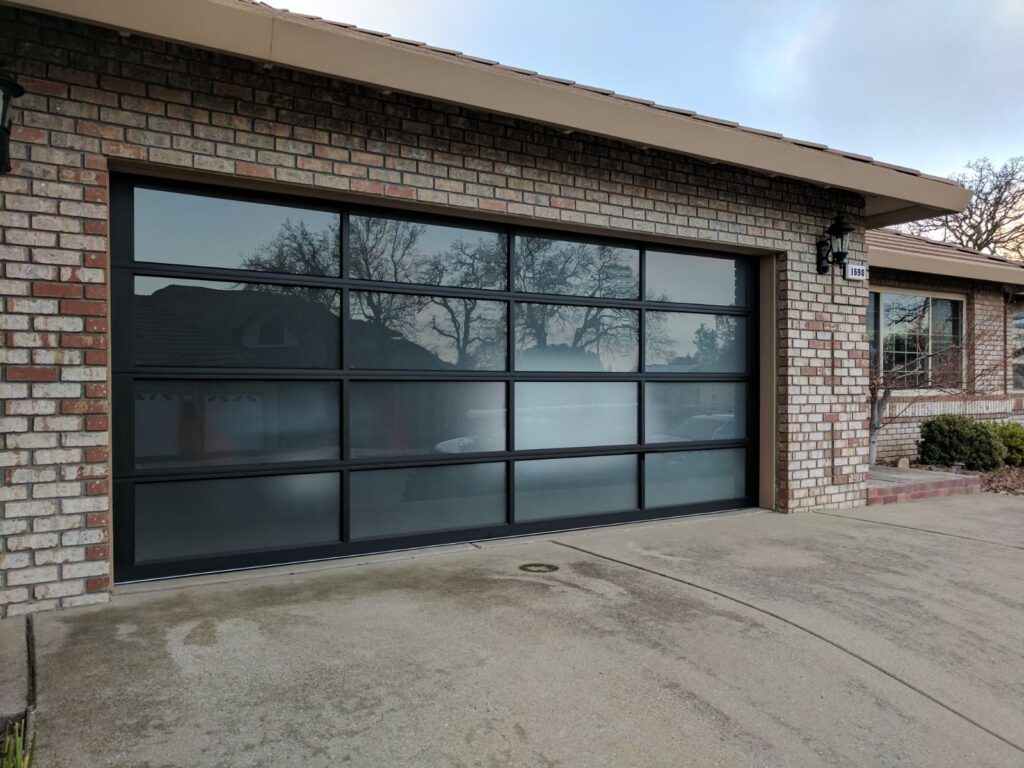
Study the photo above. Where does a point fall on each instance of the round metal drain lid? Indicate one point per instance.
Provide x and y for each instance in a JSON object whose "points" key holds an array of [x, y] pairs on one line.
{"points": [[538, 567]]}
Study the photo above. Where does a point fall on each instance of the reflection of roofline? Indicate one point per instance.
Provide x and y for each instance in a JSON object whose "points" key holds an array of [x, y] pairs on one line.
{"points": [[892, 193], [890, 249]]}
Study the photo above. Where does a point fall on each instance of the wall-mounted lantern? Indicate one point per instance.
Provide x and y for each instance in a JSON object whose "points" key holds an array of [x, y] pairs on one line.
{"points": [[9, 91], [832, 248]]}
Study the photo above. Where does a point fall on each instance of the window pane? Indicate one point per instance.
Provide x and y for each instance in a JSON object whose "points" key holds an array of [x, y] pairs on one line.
{"points": [[691, 343], [393, 502], [684, 412], [205, 517], [394, 331], [572, 268], [689, 477], [689, 279], [946, 318], [399, 418], [203, 323], [178, 228], [390, 250], [553, 488], [197, 423], [553, 337], [557, 414]]}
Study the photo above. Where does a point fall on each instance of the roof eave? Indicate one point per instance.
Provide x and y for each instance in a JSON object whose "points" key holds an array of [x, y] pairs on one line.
{"points": [[968, 269], [298, 42]]}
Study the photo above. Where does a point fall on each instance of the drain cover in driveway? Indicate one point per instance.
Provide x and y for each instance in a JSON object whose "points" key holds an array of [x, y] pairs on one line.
{"points": [[538, 567]]}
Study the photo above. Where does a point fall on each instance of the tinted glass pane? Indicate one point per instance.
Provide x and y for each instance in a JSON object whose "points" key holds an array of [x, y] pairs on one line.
{"points": [[691, 411], [689, 477], [394, 251], [553, 488], [393, 331], [553, 337], [570, 268], [203, 323], [206, 517], [402, 418], [556, 414], [177, 228], [194, 423], [393, 502], [689, 279], [685, 342]]}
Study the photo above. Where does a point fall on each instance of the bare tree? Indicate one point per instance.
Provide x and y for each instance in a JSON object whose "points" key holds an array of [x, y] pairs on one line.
{"points": [[930, 370], [994, 219]]}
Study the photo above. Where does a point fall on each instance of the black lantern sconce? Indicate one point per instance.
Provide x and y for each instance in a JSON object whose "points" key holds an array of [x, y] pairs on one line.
{"points": [[832, 249], [9, 91]]}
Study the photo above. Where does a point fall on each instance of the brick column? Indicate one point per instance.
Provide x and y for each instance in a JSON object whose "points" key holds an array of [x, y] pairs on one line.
{"points": [[54, 525]]}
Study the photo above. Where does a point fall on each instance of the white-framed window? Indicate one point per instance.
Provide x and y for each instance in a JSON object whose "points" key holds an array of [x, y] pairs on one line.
{"points": [[916, 338], [1016, 342]]}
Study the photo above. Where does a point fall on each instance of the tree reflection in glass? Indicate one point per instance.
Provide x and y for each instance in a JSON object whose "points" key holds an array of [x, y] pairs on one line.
{"points": [[396, 251], [405, 331], [569, 268], [689, 342], [561, 337]]}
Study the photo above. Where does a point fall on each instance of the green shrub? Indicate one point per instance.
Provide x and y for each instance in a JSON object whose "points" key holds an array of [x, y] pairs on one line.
{"points": [[1011, 434], [948, 439]]}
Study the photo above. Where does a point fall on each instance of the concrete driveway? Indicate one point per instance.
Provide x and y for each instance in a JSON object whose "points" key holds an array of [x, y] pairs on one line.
{"points": [[746, 639]]}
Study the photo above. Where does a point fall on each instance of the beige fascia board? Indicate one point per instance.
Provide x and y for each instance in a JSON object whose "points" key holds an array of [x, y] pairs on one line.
{"points": [[256, 32], [969, 269]]}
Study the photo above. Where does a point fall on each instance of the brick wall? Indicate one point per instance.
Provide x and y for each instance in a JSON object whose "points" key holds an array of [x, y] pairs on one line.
{"points": [[95, 99], [987, 375]]}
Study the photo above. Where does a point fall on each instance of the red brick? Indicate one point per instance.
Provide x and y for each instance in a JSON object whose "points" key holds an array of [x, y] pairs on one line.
{"points": [[96, 357], [79, 308], [31, 373], [251, 169], [97, 552], [97, 389], [96, 487], [96, 422], [57, 290], [97, 584], [84, 406], [97, 454]]}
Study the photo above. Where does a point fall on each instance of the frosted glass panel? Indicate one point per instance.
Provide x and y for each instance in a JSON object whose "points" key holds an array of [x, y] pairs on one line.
{"points": [[197, 423], [564, 414], [691, 411], [393, 502], [405, 418], [690, 477], [560, 337], [554, 488], [193, 518]]}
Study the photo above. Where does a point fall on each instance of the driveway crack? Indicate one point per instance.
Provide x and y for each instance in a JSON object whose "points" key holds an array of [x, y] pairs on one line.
{"points": [[795, 625], [922, 530]]}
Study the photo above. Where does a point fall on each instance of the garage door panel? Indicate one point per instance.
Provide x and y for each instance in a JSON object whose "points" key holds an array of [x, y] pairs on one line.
{"points": [[297, 380]]}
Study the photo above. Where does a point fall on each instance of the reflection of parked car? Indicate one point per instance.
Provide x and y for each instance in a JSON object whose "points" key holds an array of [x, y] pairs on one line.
{"points": [[711, 426], [471, 444]]}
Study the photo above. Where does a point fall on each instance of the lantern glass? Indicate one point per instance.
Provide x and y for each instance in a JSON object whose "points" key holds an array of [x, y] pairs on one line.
{"points": [[838, 233]]}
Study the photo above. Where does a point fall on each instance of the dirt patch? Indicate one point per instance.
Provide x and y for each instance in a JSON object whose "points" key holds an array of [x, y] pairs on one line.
{"points": [[1008, 481]]}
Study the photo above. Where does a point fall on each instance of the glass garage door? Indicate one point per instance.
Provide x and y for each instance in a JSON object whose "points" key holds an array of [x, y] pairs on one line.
{"points": [[297, 380]]}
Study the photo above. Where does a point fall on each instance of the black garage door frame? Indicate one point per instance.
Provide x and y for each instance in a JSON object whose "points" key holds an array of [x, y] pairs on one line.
{"points": [[125, 372]]}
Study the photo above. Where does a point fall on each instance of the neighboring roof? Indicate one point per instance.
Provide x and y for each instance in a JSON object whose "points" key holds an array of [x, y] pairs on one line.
{"points": [[893, 194], [890, 249]]}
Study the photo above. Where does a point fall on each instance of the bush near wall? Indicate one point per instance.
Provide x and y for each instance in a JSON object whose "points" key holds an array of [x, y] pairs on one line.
{"points": [[946, 440], [1011, 435]]}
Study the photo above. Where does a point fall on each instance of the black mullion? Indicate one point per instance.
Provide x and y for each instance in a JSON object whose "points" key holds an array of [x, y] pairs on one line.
{"points": [[346, 506], [218, 274]]}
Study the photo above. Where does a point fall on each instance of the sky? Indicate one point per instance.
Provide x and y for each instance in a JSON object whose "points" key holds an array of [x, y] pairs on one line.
{"points": [[929, 84]]}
